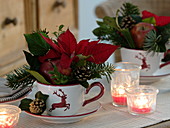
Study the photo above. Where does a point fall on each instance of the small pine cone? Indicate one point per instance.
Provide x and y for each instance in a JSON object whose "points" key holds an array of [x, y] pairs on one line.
{"points": [[37, 106], [82, 73], [127, 22]]}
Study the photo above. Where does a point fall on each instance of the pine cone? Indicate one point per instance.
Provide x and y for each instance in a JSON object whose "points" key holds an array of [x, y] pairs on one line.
{"points": [[127, 22], [82, 73], [37, 106]]}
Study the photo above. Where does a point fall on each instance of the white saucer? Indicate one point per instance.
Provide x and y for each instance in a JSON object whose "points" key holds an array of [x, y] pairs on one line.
{"points": [[4, 90], [85, 111], [17, 101], [159, 74], [9, 96]]}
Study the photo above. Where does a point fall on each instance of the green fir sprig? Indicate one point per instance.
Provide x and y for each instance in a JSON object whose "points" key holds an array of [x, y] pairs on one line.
{"points": [[129, 9], [19, 78], [152, 42], [105, 69]]}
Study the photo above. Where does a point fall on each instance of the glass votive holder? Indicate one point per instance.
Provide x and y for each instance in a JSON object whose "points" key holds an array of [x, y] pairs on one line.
{"points": [[9, 115], [126, 75], [141, 99]]}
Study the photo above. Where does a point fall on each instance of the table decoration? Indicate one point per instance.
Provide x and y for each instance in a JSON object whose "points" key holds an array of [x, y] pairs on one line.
{"points": [[61, 68], [108, 116], [9, 115], [142, 37], [81, 114], [126, 75], [141, 99]]}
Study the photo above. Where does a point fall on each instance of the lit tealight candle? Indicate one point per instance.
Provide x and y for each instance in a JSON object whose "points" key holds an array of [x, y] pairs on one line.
{"points": [[126, 74], [141, 100], [119, 96], [141, 105], [9, 115]]}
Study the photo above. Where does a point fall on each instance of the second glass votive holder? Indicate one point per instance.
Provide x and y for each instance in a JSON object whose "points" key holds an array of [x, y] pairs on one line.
{"points": [[9, 115], [126, 75], [141, 99]]}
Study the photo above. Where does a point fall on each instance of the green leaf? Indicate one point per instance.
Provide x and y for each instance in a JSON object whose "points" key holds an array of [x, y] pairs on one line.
{"points": [[24, 105], [150, 20], [110, 21], [164, 31], [36, 44], [98, 32], [85, 84], [38, 76], [137, 18], [42, 96], [127, 35], [32, 61], [100, 23], [60, 27]]}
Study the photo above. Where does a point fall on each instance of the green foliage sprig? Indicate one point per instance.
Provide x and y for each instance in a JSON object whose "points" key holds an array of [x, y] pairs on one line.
{"points": [[113, 29], [59, 78], [19, 78], [99, 70], [151, 42], [129, 9]]}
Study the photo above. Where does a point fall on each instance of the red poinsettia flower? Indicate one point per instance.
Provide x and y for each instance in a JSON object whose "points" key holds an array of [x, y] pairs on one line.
{"points": [[67, 50], [160, 20]]}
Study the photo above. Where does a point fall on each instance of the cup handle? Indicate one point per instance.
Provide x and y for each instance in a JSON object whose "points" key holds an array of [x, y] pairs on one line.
{"points": [[96, 97], [166, 63]]}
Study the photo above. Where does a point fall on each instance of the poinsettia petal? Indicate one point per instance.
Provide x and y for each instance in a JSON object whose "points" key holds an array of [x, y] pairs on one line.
{"points": [[160, 20], [65, 61], [81, 46], [94, 42], [50, 55], [62, 50], [51, 43], [100, 52], [67, 41]]}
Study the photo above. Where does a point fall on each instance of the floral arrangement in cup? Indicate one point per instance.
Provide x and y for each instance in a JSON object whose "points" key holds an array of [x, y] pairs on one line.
{"points": [[61, 60], [131, 30]]}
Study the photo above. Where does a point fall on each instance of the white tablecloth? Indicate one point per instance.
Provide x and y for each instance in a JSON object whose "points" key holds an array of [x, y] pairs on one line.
{"points": [[112, 117]]}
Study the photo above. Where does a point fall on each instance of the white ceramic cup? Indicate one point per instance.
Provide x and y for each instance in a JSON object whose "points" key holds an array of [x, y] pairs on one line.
{"points": [[65, 100], [149, 62]]}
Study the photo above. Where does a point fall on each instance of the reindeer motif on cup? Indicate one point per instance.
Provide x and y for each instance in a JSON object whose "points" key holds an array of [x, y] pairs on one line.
{"points": [[143, 59], [62, 104]]}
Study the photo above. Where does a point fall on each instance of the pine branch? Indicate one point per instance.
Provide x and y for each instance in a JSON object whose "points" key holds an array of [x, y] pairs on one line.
{"points": [[129, 9], [19, 78], [99, 70], [152, 42]]}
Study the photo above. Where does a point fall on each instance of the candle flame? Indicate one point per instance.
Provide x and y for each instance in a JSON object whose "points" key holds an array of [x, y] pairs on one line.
{"points": [[121, 91], [141, 102]]}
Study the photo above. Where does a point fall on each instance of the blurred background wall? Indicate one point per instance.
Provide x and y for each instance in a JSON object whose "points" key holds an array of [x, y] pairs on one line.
{"points": [[87, 18]]}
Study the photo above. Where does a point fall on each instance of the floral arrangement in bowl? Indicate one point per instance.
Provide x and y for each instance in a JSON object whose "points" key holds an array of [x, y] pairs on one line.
{"points": [[58, 62], [133, 30], [61, 60]]}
